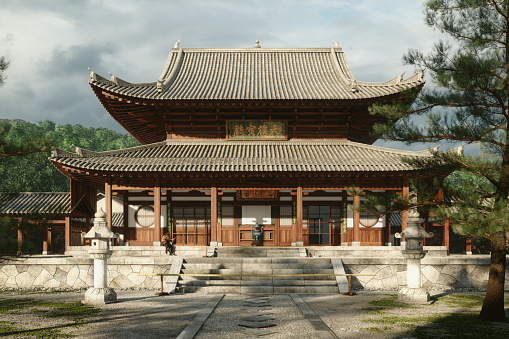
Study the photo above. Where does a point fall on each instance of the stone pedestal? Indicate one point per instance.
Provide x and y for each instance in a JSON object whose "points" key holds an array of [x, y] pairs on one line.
{"points": [[100, 236], [414, 291], [100, 293]]}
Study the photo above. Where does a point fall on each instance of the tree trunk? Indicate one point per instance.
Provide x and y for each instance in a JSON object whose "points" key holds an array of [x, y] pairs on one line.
{"points": [[493, 305]]}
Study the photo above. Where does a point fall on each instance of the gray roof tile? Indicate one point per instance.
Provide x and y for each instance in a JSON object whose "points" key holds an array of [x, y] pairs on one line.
{"points": [[247, 156], [35, 202], [255, 73]]}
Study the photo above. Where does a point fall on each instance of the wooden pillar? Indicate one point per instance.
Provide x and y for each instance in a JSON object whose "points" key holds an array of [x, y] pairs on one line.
{"points": [[445, 239], [21, 238], [388, 229], [344, 216], [126, 216], [45, 234], [426, 227], [468, 246], [406, 195], [108, 203], [215, 233], [157, 215], [300, 214], [356, 222], [67, 232]]}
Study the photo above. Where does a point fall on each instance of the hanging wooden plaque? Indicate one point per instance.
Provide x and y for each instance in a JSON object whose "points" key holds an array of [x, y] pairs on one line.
{"points": [[257, 129]]}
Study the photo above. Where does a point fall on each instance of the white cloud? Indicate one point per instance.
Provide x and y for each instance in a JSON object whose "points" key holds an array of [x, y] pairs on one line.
{"points": [[51, 43]]}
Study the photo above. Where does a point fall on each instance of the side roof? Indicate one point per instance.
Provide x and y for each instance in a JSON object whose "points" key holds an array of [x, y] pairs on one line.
{"points": [[241, 156], [255, 74], [35, 202]]}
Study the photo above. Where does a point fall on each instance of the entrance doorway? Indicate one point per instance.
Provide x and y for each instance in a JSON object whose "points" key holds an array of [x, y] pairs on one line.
{"points": [[321, 224]]}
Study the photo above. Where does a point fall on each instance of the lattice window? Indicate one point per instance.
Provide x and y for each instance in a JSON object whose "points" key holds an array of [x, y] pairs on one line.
{"points": [[145, 216], [227, 215], [368, 219], [285, 216]]}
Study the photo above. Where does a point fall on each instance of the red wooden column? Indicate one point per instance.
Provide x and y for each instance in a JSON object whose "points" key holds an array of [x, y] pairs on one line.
{"points": [[344, 216], [356, 222], [426, 227], [157, 215], [126, 216], [406, 195], [21, 237], [388, 229], [468, 246], [108, 202], [215, 232], [300, 214], [45, 235], [68, 232], [445, 241]]}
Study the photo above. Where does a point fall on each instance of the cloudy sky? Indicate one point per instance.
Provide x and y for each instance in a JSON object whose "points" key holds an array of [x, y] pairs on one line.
{"points": [[51, 43]]}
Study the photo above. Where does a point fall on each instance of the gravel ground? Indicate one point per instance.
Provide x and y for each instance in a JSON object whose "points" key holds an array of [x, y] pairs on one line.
{"points": [[140, 314]]}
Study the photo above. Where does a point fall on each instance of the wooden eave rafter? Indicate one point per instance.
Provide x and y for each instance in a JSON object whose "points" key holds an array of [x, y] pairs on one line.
{"points": [[151, 120]]}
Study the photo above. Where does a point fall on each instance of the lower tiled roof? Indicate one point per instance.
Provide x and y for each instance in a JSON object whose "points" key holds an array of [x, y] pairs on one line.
{"points": [[241, 156], [35, 203]]}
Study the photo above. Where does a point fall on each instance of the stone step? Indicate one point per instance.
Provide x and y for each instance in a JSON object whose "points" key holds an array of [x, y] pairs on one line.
{"points": [[226, 265], [260, 282], [307, 261], [258, 289]]}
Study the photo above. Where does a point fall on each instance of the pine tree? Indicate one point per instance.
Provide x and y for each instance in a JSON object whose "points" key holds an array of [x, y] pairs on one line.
{"points": [[469, 103]]}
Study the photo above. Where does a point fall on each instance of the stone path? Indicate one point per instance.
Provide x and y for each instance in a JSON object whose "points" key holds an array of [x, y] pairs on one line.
{"points": [[267, 316]]}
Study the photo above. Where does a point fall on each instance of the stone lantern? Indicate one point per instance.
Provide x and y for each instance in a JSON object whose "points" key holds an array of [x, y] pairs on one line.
{"points": [[100, 236], [413, 253]]}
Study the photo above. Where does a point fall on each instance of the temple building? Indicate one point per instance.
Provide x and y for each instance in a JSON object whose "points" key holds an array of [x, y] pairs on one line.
{"points": [[233, 137]]}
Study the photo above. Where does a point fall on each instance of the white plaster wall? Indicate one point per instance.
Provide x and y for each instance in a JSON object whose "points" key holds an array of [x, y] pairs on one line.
{"points": [[117, 205]]}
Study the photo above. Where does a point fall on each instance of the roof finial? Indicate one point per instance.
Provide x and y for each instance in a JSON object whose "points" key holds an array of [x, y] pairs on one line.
{"points": [[400, 79], [353, 86], [257, 44], [336, 44], [177, 44], [420, 75], [92, 75]]}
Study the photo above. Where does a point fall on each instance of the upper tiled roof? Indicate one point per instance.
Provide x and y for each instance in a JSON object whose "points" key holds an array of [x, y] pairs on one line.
{"points": [[256, 73], [35, 202], [241, 156]]}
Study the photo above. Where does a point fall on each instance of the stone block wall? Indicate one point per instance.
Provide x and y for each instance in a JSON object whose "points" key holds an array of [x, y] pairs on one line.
{"points": [[68, 273], [453, 272]]}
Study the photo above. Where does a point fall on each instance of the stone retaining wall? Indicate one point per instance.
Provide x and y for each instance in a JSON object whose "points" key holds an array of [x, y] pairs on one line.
{"points": [[67, 272], [443, 273], [44, 272]]}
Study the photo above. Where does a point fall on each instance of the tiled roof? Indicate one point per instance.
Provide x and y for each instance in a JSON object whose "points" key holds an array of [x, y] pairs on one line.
{"points": [[241, 156], [256, 73], [117, 219], [35, 202]]}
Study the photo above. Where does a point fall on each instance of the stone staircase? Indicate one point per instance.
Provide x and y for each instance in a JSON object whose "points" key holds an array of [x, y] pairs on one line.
{"points": [[251, 284]]}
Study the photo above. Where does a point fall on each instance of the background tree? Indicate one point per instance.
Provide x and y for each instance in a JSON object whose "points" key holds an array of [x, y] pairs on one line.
{"points": [[33, 172], [4, 64], [469, 105]]}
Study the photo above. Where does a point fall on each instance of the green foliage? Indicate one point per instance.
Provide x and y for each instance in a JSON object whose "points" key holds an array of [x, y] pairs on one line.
{"points": [[4, 64], [470, 104], [33, 172]]}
